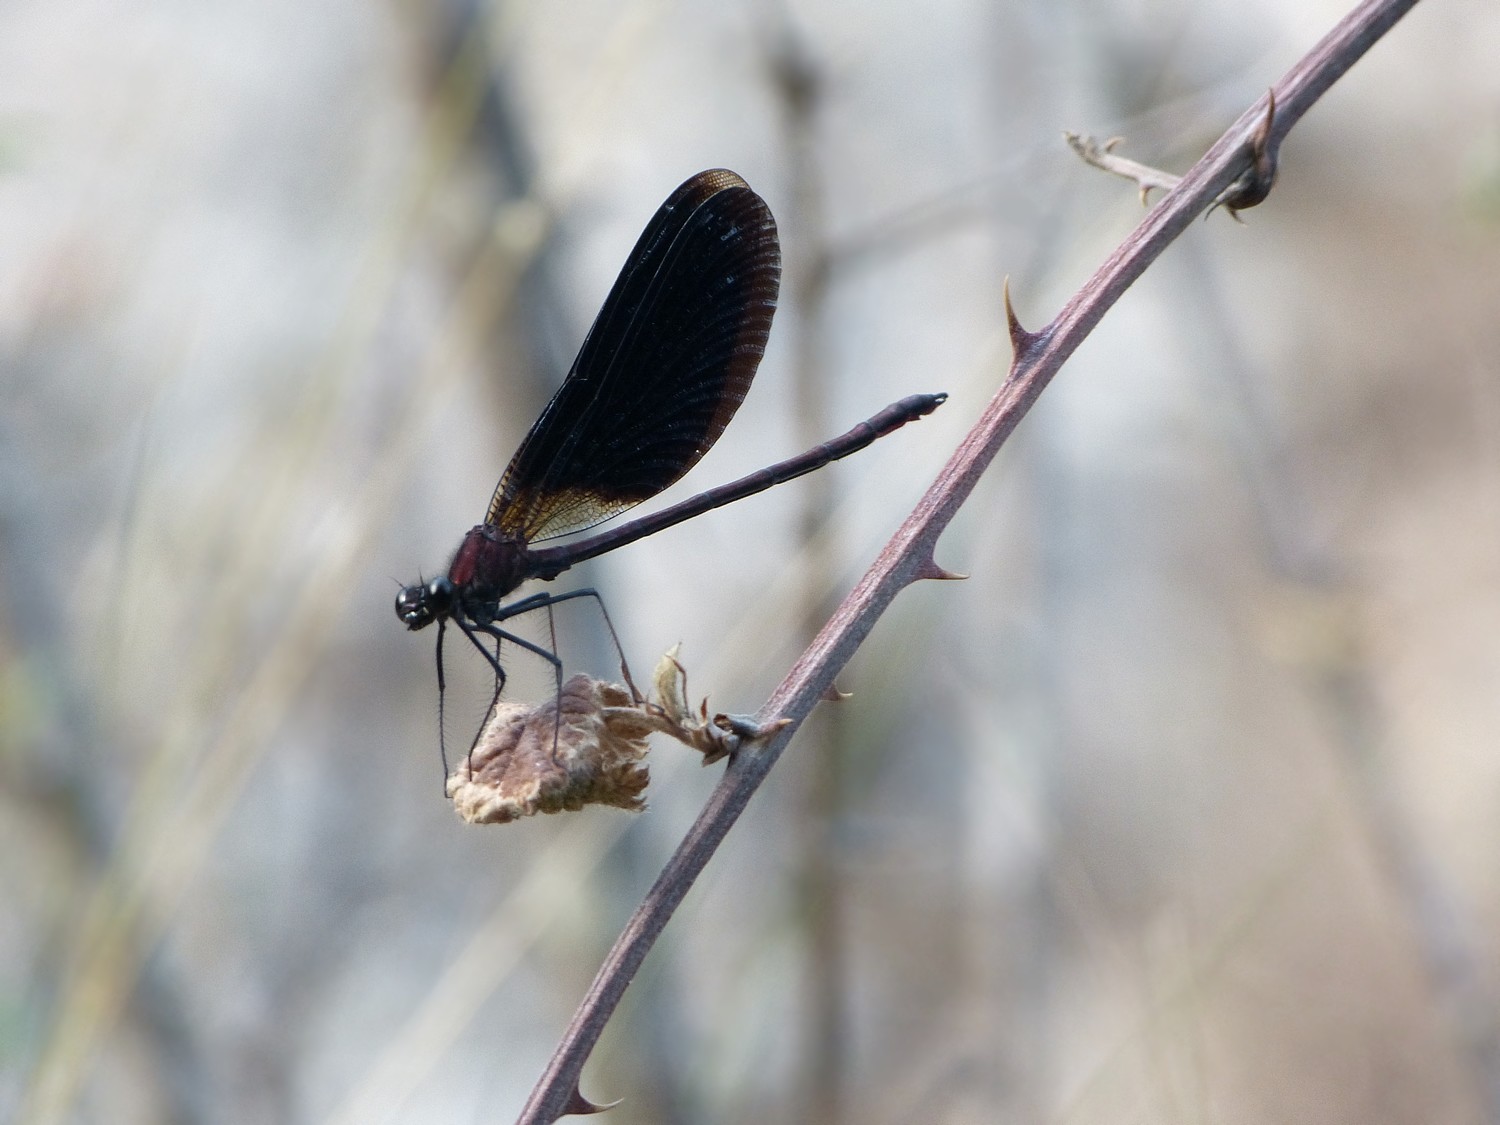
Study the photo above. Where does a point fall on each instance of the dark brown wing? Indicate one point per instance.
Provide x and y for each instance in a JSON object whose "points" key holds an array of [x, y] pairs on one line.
{"points": [[665, 366]]}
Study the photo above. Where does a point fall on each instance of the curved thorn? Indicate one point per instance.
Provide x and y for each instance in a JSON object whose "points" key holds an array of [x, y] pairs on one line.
{"points": [[930, 569], [578, 1104], [1020, 339], [748, 729], [1263, 131], [833, 695], [1254, 184]]}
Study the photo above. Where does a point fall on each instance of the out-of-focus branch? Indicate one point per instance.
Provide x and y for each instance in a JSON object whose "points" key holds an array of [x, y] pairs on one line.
{"points": [[909, 555]]}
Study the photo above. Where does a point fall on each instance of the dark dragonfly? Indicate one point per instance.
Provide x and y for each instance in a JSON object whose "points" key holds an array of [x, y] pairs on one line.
{"points": [[660, 374]]}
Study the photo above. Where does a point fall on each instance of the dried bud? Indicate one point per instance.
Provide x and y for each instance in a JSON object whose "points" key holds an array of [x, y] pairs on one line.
{"points": [[584, 747], [713, 738]]}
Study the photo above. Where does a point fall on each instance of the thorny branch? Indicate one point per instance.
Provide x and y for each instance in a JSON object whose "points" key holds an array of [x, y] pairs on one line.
{"points": [[909, 555]]}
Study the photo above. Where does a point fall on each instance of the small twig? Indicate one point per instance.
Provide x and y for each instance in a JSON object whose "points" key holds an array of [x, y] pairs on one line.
{"points": [[1250, 188], [1101, 154], [909, 555]]}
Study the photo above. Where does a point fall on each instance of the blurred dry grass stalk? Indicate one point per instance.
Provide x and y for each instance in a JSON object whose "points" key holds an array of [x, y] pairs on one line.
{"points": [[1191, 817]]}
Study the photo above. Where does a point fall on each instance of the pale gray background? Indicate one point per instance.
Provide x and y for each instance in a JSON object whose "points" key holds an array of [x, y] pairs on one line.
{"points": [[1185, 807]]}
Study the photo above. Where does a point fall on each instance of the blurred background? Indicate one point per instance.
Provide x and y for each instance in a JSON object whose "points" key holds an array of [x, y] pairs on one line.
{"points": [[1184, 807]]}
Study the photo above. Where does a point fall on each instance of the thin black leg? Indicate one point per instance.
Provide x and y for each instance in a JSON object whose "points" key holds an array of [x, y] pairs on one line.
{"points": [[489, 628], [501, 635], [442, 690], [547, 600]]}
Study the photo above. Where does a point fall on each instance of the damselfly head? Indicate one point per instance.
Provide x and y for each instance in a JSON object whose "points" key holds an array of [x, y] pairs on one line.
{"points": [[420, 605]]}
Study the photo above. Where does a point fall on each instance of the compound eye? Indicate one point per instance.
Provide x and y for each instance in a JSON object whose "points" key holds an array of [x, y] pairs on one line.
{"points": [[439, 596], [412, 606]]}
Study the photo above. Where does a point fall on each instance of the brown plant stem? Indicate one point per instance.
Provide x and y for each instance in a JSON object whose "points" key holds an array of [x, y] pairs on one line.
{"points": [[909, 554]]}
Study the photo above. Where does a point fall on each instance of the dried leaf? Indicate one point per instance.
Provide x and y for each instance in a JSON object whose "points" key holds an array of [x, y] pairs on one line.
{"points": [[586, 747]]}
